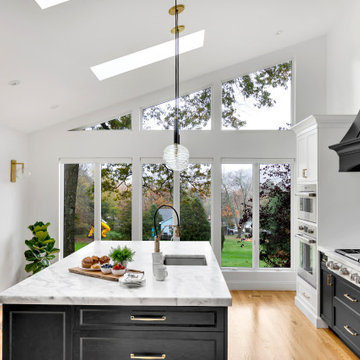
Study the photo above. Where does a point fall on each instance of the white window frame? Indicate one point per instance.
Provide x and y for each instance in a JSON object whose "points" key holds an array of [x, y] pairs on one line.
{"points": [[256, 212], [176, 187], [97, 162]]}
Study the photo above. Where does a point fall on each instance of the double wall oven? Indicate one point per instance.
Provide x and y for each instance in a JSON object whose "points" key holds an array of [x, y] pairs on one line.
{"points": [[307, 232]]}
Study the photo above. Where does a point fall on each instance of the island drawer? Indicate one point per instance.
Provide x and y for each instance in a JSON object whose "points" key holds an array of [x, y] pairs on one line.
{"points": [[348, 294], [347, 325], [172, 345], [110, 317]]}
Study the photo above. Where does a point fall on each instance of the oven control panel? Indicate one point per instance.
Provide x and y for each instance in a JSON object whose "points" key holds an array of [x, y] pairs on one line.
{"points": [[307, 231]]}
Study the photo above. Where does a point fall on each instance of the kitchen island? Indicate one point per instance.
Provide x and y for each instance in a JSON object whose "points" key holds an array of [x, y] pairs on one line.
{"points": [[56, 314]]}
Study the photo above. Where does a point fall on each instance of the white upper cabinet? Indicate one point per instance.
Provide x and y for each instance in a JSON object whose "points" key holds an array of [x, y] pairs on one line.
{"points": [[307, 156]]}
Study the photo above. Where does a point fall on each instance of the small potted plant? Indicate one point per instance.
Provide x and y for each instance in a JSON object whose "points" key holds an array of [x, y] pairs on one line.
{"points": [[121, 255]]}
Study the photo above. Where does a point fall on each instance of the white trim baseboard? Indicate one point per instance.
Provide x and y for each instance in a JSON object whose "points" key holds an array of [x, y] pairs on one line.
{"points": [[309, 313], [261, 285]]}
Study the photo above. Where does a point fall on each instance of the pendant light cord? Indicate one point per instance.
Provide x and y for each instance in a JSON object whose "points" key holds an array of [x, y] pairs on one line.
{"points": [[177, 77]]}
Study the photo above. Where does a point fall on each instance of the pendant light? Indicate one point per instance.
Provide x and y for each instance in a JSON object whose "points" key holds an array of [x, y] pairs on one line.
{"points": [[176, 156]]}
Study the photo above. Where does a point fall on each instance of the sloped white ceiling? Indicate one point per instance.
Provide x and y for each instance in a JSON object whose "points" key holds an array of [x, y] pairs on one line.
{"points": [[50, 51]]}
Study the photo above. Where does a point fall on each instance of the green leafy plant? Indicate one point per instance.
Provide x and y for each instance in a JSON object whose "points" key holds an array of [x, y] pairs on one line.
{"points": [[119, 255], [41, 247]]}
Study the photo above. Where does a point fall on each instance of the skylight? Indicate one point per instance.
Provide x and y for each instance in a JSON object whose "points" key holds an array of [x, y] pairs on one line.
{"points": [[44, 4], [148, 56]]}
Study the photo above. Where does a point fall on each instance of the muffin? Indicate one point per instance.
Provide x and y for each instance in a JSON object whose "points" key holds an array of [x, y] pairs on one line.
{"points": [[86, 262], [95, 259], [95, 267], [104, 259]]}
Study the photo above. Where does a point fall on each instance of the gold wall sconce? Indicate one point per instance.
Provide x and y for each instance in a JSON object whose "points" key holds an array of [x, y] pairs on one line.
{"points": [[13, 169]]}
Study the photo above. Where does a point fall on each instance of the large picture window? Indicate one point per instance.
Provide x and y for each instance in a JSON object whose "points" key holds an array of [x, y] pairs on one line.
{"points": [[258, 101], [193, 193], [256, 215], [114, 186]]}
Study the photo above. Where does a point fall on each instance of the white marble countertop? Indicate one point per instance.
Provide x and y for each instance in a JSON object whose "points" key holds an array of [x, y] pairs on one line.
{"points": [[185, 285]]}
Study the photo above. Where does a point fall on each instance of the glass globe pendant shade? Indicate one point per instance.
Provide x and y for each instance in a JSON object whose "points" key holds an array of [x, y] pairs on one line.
{"points": [[176, 157]]}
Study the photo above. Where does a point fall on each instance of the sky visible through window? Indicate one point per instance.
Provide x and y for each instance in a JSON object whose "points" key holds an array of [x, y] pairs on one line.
{"points": [[265, 118]]}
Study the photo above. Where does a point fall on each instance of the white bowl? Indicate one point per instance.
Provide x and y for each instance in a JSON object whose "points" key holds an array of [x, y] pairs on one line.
{"points": [[106, 270], [118, 272]]}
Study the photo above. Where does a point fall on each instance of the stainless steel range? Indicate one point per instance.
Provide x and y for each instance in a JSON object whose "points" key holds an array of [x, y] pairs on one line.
{"points": [[353, 254], [345, 263]]}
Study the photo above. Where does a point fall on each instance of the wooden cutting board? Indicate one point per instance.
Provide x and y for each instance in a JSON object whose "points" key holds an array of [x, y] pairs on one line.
{"points": [[98, 274]]}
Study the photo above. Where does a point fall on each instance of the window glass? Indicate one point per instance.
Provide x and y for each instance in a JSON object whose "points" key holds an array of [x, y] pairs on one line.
{"points": [[120, 123], [275, 235], [195, 202], [236, 208], [195, 113], [78, 206], [116, 201], [258, 101], [157, 190]]}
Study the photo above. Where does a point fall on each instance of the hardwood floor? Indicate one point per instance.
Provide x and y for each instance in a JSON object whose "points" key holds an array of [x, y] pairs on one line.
{"points": [[266, 325]]}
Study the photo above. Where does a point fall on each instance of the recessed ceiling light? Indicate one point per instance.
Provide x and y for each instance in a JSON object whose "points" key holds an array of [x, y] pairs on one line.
{"points": [[44, 4], [279, 32], [14, 82], [53, 107], [148, 56]]}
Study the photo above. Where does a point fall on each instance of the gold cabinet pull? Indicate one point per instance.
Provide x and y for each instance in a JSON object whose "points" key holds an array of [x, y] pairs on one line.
{"points": [[147, 357], [347, 328], [135, 318], [329, 280], [350, 298], [304, 173], [306, 296]]}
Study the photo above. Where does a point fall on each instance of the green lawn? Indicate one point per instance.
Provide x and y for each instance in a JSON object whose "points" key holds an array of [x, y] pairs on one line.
{"points": [[236, 255], [79, 245]]}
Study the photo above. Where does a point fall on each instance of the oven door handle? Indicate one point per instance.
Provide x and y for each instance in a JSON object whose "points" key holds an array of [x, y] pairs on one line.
{"points": [[306, 240], [306, 194]]}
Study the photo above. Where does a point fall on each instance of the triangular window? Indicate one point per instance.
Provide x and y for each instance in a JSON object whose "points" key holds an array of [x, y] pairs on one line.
{"points": [[120, 123]]}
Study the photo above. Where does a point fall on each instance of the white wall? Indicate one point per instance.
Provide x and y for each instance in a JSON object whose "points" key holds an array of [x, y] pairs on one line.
{"points": [[48, 146], [343, 61], [13, 206]]}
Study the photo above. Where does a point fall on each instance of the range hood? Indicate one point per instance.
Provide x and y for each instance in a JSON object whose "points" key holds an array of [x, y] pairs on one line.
{"points": [[348, 148]]}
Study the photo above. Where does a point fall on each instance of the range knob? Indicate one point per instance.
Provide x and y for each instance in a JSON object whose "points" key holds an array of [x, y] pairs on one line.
{"points": [[355, 277], [344, 271], [310, 231], [335, 266], [301, 227]]}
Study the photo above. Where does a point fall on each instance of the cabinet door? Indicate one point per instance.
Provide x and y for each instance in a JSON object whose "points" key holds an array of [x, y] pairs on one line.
{"points": [[133, 344], [36, 332], [327, 282], [312, 156], [301, 156], [307, 156]]}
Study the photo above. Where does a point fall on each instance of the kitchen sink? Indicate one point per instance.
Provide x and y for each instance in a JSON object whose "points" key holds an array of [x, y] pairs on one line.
{"points": [[190, 260]]}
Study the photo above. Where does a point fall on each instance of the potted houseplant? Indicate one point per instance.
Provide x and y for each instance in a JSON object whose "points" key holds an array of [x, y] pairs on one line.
{"points": [[121, 255], [41, 248]]}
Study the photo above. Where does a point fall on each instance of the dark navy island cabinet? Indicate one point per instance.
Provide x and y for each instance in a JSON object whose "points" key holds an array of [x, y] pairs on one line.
{"points": [[69, 332], [340, 306]]}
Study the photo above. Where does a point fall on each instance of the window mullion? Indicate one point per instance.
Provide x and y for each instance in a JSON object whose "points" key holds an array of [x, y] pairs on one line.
{"points": [[256, 215], [216, 220], [176, 196], [97, 202], [136, 200]]}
